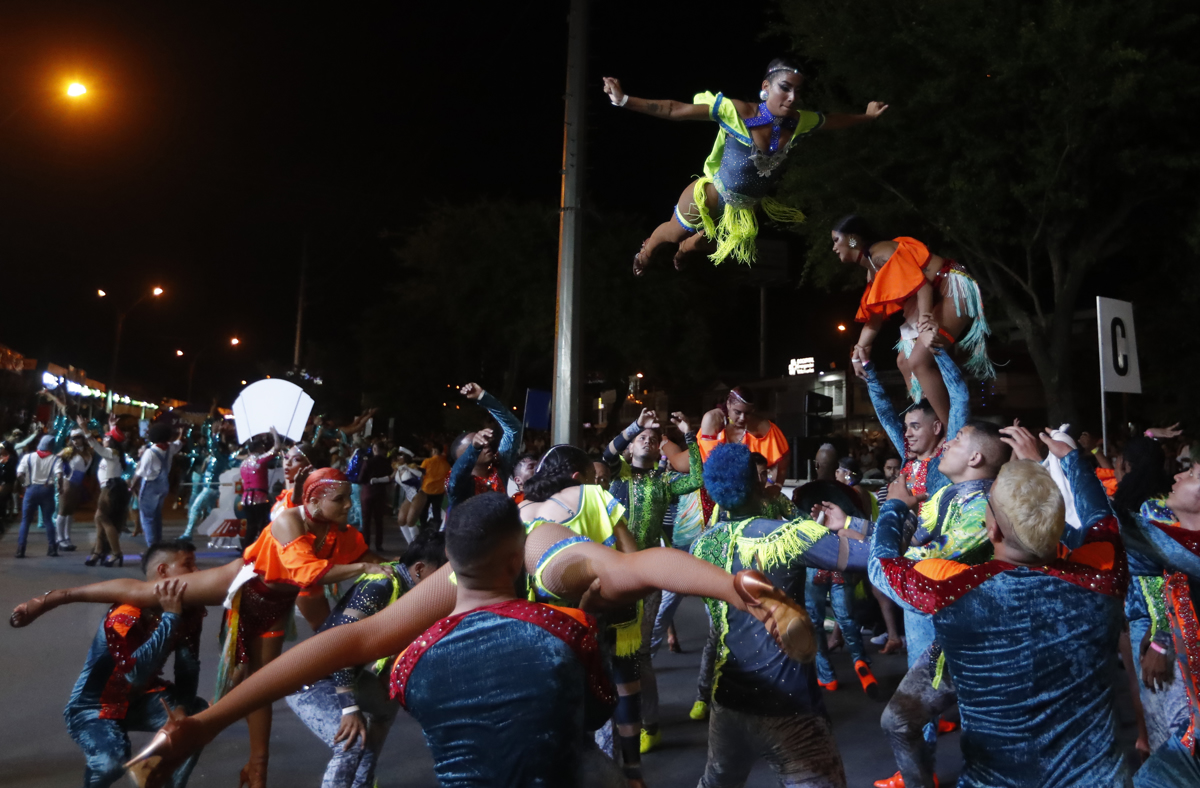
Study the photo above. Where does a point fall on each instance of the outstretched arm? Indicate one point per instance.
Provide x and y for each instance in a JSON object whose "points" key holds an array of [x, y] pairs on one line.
{"points": [[512, 428], [960, 397], [665, 109], [840, 120], [884, 410]]}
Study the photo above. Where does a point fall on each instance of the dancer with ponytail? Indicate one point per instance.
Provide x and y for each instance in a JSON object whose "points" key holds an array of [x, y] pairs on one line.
{"points": [[307, 545], [716, 213], [940, 301]]}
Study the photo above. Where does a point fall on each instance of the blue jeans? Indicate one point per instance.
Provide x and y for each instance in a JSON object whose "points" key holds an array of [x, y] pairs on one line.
{"points": [[1170, 766], [38, 498], [842, 597], [105, 743], [203, 501], [318, 708], [151, 499]]}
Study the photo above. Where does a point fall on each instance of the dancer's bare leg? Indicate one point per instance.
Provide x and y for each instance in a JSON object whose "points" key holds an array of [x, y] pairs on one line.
{"points": [[205, 588], [414, 512], [889, 609], [671, 232], [315, 609], [260, 652]]}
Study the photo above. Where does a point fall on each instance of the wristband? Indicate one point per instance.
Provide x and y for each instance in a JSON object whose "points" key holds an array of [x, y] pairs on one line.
{"points": [[708, 437], [1158, 648], [1149, 434], [624, 100], [349, 710]]}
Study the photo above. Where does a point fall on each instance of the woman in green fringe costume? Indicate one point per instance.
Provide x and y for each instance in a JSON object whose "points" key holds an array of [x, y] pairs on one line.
{"points": [[716, 213]]}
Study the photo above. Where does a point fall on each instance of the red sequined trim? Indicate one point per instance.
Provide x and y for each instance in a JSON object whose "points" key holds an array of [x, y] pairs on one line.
{"points": [[930, 596], [581, 639], [1187, 644]]}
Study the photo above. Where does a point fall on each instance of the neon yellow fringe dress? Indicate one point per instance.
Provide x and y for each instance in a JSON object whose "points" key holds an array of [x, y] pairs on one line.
{"points": [[744, 176]]}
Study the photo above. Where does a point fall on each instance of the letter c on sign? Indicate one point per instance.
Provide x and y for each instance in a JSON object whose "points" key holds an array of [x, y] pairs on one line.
{"points": [[1120, 357]]}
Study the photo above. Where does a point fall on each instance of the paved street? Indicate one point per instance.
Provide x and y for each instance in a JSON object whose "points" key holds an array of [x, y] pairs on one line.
{"points": [[42, 662]]}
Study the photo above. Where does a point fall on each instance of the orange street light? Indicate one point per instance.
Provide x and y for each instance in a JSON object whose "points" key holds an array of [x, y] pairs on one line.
{"points": [[157, 291], [243, 382], [179, 352], [101, 293], [74, 90], [234, 341], [841, 327]]}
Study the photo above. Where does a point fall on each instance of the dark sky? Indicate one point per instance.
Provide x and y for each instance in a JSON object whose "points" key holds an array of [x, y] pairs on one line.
{"points": [[215, 135]]}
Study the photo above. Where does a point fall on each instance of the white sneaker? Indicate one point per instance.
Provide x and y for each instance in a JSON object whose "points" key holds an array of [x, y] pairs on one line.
{"points": [[879, 640]]}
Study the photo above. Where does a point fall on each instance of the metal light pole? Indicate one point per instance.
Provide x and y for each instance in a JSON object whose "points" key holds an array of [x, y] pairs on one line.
{"points": [[565, 424], [300, 303]]}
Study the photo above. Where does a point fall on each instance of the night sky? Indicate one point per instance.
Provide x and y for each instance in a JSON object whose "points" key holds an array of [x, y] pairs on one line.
{"points": [[215, 136]]}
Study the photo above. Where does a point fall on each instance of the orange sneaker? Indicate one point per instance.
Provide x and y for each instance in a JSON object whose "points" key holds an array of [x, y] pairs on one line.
{"points": [[831, 686], [896, 781], [867, 679], [946, 726]]}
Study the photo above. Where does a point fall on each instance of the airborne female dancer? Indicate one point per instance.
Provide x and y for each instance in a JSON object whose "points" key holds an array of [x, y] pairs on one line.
{"points": [[564, 566], [937, 296], [306, 545], [743, 169]]}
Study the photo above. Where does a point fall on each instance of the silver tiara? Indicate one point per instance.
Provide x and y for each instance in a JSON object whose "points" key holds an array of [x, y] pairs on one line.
{"points": [[785, 68]]}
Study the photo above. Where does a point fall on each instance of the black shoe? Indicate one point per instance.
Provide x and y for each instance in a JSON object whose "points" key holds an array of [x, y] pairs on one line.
{"points": [[52, 551], [115, 560], [67, 547], [92, 560], [20, 551]]}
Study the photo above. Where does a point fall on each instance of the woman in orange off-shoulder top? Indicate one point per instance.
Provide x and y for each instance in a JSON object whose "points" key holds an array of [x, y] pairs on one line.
{"points": [[940, 302], [304, 546]]}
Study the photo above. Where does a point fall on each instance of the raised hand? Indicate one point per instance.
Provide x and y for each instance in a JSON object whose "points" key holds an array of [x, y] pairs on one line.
{"points": [[612, 87], [875, 109], [1058, 448], [1021, 440], [680, 421], [482, 438], [648, 419], [471, 391]]}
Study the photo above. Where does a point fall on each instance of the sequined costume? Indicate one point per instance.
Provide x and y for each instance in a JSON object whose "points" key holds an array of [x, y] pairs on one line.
{"points": [[1176, 550], [506, 695], [120, 687], [268, 593], [215, 462], [773, 445], [320, 705], [744, 176], [256, 498], [647, 494], [761, 699], [1032, 650], [462, 483]]}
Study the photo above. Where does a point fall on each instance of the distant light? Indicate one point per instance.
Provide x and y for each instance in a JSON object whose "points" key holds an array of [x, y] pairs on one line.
{"points": [[443, 404], [179, 352], [75, 89], [841, 327], [234, 341], [802, 366], [101, 293], [514, 407], [268, 377], [639, 374], [243, 382], [158, 291]]}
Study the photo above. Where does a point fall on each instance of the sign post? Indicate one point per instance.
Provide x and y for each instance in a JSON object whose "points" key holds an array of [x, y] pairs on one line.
{"points": [[1119, 369]]}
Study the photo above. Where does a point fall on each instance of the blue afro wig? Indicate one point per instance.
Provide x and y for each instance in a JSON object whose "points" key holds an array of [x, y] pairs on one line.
{"points": [[729, 475]]}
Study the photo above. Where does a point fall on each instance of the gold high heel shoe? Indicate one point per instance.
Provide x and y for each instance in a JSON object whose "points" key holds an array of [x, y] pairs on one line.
{"points": [[785, 619], [158, 760]]}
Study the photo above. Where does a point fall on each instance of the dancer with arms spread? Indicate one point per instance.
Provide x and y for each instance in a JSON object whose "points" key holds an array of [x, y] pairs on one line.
{"points": [[716, 213]]}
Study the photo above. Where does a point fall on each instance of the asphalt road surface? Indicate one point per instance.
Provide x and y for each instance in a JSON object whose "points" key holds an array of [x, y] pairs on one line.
{"points": [[42, 662]]}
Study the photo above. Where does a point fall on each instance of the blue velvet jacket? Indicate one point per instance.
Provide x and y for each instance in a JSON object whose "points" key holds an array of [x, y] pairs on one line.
{"points": [[506, 694], [1032, 650], [461, 483]]}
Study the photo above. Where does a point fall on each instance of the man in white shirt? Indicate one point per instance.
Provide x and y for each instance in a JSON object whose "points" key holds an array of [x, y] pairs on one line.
{"points": [[39, 472], [151, 481]]}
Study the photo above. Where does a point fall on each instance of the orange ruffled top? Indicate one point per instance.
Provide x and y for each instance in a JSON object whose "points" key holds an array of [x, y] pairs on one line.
{"points": [[773, 445], [297, 562], [897, 281]]}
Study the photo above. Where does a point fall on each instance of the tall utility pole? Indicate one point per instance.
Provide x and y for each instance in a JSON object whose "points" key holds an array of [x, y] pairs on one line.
{"points": [[565, 425], [300, 302]]}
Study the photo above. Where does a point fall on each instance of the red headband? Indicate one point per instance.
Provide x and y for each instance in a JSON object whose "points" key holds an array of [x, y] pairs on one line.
{"points": [[116, 435], [317, 480]]}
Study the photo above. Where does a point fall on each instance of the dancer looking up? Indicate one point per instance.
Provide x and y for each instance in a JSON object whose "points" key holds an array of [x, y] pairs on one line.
{"points": [[716, 213], [309, 544], [937, 297]]}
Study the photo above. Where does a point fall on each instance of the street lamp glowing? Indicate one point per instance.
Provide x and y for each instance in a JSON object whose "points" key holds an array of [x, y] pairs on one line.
{"points": [[179, 352], [234, 341], [75, 89], [243, 382], [639, 375], [157, 291], [101, 293], [841, 327]]}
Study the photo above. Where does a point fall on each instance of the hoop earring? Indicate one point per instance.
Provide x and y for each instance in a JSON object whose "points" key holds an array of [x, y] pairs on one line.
{"points": [[762, 94]]}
